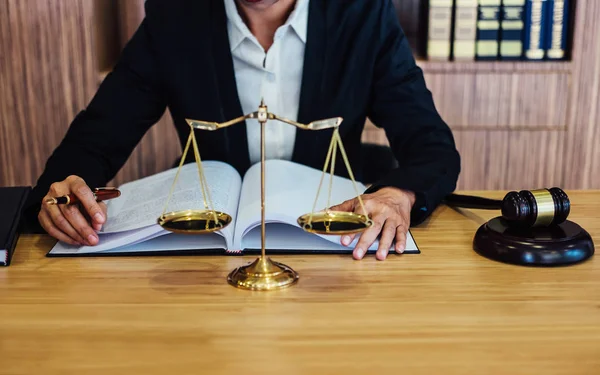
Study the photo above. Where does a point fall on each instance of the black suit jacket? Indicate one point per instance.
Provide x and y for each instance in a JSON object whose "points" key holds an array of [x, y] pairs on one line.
{"points": [[358, 64]]}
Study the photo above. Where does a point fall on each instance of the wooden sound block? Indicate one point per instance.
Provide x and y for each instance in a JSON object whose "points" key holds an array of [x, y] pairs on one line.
{"points": [[558, 245]]}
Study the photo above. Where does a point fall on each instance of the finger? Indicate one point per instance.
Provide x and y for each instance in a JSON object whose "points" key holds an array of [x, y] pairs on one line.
{"points": [[402, 231], [347, 206], [79, 222], [387, 237], [347, 239], [368, 237], [61, 223], [46, 223], [87, 199], [98, 226], [401, 238]]}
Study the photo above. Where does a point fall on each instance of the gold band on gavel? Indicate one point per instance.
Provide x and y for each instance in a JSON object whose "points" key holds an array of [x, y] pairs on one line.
{"points": [[545, 207]]}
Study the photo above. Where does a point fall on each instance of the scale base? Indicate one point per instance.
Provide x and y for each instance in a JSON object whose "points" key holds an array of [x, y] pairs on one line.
{"points": [[558, 245], [263, 274]]}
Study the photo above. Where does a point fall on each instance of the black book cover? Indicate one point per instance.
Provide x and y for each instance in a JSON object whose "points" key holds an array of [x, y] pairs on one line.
{"points": [[12, 201]]}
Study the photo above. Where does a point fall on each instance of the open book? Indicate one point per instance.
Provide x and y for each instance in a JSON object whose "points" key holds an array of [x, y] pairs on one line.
{"points": [[290, 190]]}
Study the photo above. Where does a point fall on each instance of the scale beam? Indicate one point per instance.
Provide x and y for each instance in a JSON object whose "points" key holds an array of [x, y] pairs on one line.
{"points": [[315, 125]]}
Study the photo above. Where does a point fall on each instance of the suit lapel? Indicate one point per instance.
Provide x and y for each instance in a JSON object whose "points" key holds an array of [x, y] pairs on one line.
{"points": [[311, 91], [226, 89]]}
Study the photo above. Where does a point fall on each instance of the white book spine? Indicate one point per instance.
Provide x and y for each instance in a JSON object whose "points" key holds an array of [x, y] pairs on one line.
{"points": [[439, 41], [465, 30]]}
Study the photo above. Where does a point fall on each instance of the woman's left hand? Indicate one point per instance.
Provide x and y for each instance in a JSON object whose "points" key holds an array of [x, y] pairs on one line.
{"points": [[389, 208]]}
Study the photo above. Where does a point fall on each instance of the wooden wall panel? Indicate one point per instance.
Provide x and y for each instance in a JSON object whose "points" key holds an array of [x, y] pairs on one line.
{"points": [[479, 67], [372, 134], [46, 76], [501, 100], [510, 159], [106, 30], [130, 15], [583, 139], [410, 13], [503, 159]]}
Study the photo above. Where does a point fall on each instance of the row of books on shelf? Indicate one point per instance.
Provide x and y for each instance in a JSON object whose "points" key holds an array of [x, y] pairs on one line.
{"points": [[498, 29]]}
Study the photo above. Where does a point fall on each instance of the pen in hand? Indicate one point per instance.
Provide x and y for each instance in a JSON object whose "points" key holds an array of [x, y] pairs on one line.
{"points": [[101, 194]]}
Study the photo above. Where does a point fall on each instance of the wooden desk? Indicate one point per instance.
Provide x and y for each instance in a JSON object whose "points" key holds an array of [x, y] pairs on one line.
{"points": [[446, 311]]}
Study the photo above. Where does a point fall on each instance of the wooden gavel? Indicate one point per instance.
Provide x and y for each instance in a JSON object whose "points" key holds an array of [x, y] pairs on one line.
{"points": [[526, 208]]}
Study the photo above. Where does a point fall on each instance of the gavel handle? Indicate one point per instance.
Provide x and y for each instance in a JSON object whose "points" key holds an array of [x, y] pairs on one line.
{"points": [[468, 201]]}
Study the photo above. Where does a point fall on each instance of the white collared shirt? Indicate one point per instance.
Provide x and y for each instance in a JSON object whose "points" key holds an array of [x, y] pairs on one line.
{"points": [[275, 76]]}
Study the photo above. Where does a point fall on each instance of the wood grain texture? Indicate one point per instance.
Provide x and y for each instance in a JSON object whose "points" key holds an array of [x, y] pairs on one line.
{"points": [[445, 311], [582, 152], [503, 159], [131, 14], [513, 160], [106, 33], [411, 14], [46, 76], [501, 100], [472, 67]]}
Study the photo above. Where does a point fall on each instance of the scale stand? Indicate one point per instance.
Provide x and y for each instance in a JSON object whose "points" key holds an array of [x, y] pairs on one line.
{"points": [[264, 273]]}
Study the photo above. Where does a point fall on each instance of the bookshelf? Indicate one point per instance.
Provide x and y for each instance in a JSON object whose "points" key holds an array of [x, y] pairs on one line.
{"points": [[425, 25]]}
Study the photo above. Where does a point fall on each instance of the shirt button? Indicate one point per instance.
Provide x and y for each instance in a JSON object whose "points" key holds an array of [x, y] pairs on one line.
{"points": [[271, 77]]}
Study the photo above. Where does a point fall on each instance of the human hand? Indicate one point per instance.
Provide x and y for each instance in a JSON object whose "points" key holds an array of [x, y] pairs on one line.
{"points": [[74, 224], [389, 208]]}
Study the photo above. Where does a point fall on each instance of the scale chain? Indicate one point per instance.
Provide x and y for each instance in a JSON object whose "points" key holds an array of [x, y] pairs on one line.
{"points": [[345, 157], [333, 157], [203, 183], [187, 147], [329, 152]]}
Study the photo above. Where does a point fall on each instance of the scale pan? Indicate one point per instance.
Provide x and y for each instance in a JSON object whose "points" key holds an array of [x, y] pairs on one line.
{"points": [[334, 222], [194, 221]]}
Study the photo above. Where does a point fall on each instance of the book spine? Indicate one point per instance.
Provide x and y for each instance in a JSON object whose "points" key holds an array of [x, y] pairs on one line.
{"points": [[557, 26], [465, 30], [511, 29], [233, 252], [488, 30], [535, 35], [439, 40]]}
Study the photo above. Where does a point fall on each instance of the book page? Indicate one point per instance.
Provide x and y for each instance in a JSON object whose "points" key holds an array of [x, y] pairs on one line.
{"points": [[153, 243], [143, 201], [110, 241], [290, 190], [279, 235]]}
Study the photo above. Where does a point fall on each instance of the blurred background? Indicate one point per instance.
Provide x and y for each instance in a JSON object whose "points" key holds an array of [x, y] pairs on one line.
{"points": [[519, 124]]}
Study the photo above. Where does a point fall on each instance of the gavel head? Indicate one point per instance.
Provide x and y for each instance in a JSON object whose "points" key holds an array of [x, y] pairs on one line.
{"points": [[536, 208]]}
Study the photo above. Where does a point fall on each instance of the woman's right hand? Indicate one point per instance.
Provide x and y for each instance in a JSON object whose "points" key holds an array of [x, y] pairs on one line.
{"points": [[75, 224]]}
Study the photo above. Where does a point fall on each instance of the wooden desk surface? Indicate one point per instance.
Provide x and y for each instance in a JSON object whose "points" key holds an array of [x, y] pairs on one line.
{"points": [[445, 311]]}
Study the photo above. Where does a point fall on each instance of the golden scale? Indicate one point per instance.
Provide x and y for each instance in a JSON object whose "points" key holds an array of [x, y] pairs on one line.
{"points": [[263, 273]]}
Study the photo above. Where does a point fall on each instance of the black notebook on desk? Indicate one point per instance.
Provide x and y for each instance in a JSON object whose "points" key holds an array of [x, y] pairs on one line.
{"points": [[12, 201], [291, 190]]}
